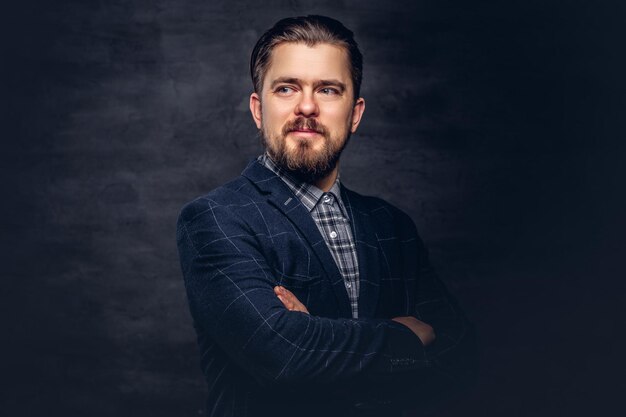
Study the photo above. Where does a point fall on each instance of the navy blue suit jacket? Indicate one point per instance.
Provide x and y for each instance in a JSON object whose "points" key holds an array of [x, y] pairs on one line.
{"points": [[242, 239]]}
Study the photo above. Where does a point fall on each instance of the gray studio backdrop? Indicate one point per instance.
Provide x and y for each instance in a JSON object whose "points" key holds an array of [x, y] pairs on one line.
{"points": [[477, 124]]}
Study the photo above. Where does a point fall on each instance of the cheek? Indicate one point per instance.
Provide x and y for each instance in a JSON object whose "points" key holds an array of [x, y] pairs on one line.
{"points": [[340, 117], [275, 116]]}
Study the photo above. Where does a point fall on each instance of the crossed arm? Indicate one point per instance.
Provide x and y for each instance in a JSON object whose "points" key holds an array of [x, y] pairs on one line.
{"points": [[422, 330], [230, 288], [230, 285]]}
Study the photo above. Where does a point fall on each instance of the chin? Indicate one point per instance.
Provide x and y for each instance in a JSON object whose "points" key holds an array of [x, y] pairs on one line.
{"points": [[306, 140], [304, 147]]}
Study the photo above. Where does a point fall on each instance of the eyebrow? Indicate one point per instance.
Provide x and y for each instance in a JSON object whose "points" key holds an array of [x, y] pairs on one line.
{"points": [[319, 83]]}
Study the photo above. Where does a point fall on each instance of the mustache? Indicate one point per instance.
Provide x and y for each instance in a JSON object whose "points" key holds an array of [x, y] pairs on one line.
{"points": [[302, 123]]}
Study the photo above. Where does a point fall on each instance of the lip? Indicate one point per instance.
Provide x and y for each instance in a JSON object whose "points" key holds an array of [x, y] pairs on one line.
{"points": [[305, 132]]}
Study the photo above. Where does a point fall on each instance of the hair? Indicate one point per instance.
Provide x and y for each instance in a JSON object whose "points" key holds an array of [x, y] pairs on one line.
{"points": [[310, 30]]}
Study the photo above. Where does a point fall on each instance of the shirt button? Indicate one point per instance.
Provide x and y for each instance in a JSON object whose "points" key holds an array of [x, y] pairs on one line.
{"points": [[333, 234], [326, 199], [349, 285]]}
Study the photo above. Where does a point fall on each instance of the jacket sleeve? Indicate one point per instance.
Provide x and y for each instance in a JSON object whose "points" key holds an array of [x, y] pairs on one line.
{"points": [[230, 291]]}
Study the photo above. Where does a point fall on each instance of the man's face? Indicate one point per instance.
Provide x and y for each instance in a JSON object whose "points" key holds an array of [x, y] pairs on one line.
{"points": [[306, 110]]}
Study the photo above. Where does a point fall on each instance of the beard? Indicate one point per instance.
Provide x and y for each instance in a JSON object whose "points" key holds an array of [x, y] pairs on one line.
{"points": [[303, 162]]}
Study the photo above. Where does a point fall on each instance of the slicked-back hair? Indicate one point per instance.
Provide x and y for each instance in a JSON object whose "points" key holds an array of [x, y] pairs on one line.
{"points": [[310, 30]]}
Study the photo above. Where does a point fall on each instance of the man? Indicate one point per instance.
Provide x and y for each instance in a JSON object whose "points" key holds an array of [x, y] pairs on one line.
{"points": [[308, 298]]}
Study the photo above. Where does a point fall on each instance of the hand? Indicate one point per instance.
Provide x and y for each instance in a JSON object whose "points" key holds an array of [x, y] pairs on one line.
{"points": [[290, 301], [423, 330]]}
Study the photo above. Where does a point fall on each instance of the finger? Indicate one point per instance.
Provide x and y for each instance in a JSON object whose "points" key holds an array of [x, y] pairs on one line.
{"points": [[290, 296], [287, 295], [282, 300], [280, 292], [300, 307], [290, 300], [287, 292]]}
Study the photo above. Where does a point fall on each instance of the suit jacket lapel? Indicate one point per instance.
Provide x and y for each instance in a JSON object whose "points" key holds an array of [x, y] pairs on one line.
{"points": [[366, 241], [280, 196]]}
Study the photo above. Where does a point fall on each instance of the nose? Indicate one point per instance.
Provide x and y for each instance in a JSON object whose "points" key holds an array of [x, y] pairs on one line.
{"points": [[307, 106]]}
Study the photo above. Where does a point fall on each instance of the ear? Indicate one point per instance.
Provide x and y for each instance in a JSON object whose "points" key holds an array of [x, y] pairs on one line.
{"points": [[255, 109], [357, 113]]}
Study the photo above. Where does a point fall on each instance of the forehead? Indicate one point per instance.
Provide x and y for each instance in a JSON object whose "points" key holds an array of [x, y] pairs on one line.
{"points": [[308, 63]]}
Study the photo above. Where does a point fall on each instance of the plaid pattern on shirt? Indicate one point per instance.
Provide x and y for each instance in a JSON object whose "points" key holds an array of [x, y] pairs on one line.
{"points": [[330, 216]]}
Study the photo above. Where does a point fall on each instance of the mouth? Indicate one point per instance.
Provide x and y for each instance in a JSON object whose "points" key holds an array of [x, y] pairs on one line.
{"points": [[305, 132]]}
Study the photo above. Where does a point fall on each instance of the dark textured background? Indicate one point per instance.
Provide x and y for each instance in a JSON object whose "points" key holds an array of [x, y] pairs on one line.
{"points": [[498, 126]]}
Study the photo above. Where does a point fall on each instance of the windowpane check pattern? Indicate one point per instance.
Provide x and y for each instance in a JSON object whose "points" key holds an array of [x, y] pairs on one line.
{"points": [[330, 216]]}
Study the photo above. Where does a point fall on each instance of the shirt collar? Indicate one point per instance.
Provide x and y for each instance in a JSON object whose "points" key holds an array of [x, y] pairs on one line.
{"points": [[308, 194]]}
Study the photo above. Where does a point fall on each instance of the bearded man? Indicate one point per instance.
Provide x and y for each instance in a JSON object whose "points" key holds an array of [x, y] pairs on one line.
{"points": [[308, 298]]}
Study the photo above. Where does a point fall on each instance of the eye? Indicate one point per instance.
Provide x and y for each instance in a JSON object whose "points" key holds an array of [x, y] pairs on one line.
{"points": [[329, 91], [284, 90]]}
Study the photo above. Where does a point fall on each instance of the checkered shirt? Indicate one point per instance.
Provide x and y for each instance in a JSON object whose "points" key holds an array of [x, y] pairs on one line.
{"points": [[331, 218]]}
